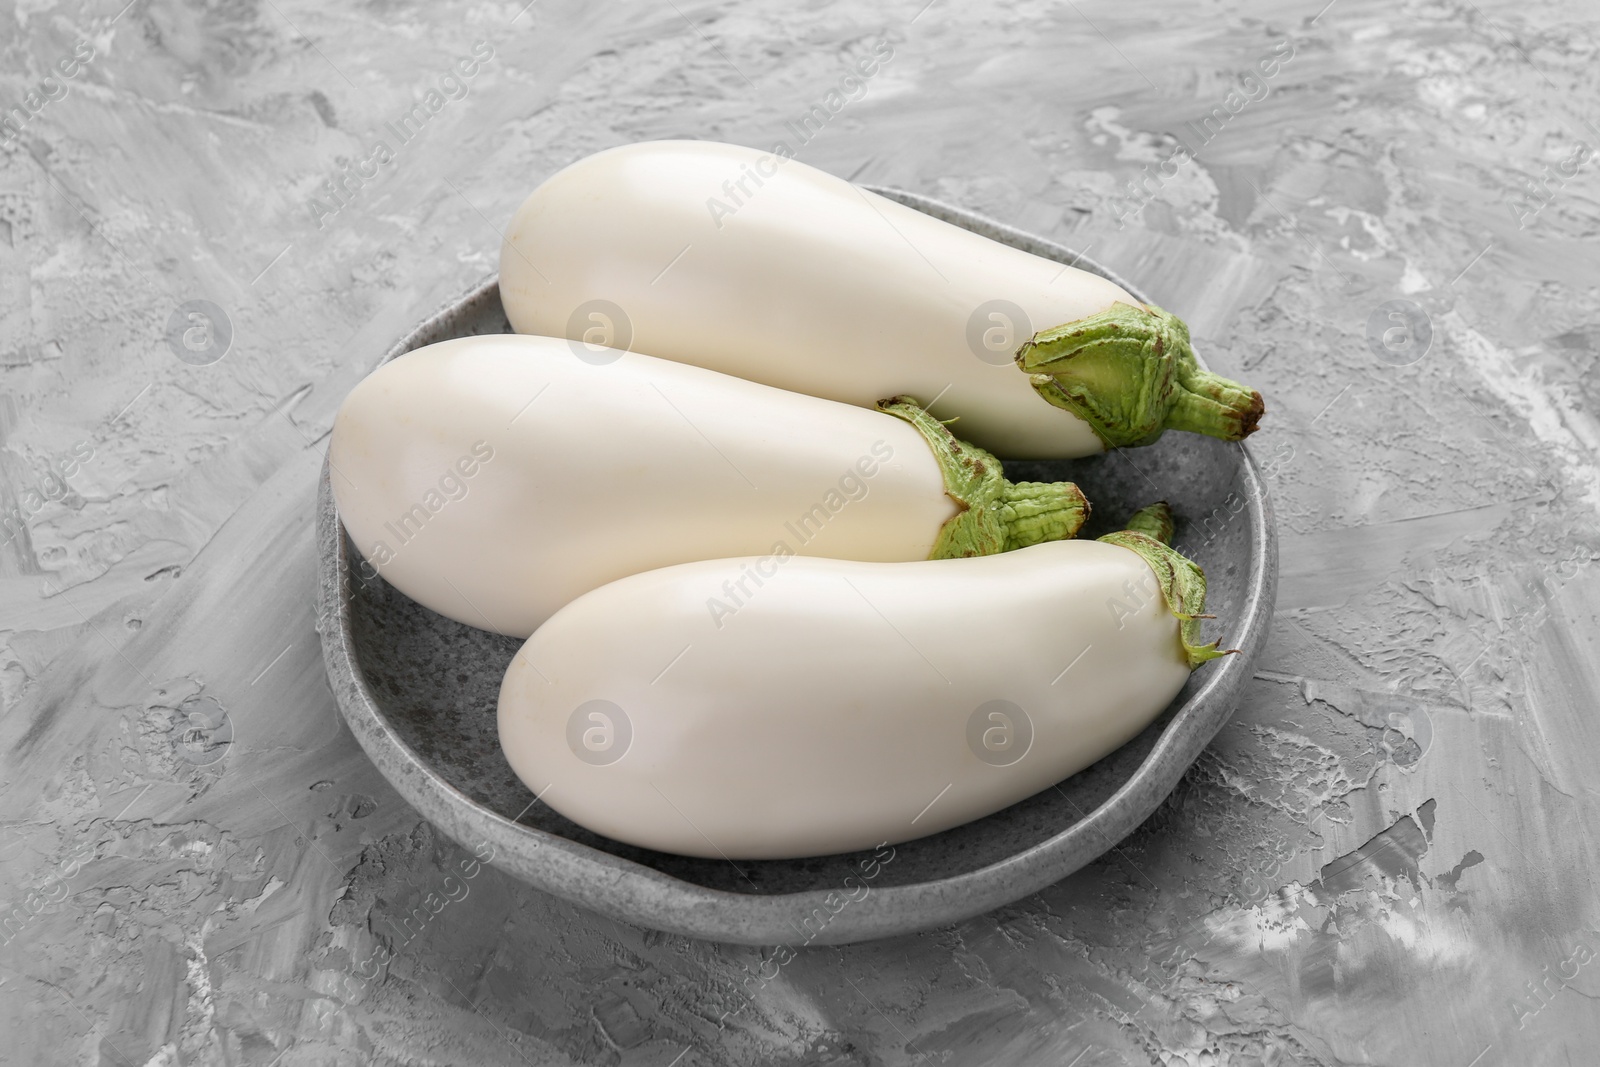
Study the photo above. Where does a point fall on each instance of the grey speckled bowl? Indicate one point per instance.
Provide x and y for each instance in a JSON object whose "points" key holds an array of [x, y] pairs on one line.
{"points": [[419, 692]]}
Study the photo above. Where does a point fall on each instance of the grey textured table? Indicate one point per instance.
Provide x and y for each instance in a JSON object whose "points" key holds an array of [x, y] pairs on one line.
{"points": [[1386, 858]]}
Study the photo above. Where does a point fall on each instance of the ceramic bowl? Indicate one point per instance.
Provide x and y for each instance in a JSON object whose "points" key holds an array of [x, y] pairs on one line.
{"points": [[419, 693]]}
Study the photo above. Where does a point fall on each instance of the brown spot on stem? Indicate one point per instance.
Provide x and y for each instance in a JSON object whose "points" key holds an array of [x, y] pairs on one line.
{"points": [[1250, 417]]}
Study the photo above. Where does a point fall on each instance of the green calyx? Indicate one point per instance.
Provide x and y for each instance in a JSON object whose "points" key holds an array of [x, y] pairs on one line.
{"points": [[996, 515], [1182, 582], [1130, 373]]}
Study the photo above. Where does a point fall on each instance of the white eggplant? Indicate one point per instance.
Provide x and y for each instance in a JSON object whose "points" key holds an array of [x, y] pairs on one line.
{"points": [[760, 266], [753, 709], [495, 478]]}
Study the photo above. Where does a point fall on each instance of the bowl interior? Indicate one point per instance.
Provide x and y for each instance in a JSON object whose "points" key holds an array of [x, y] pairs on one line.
{"points": [[436, 682]]}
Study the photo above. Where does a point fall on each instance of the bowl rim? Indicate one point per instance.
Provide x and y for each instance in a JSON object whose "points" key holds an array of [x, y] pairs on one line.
{"points": [[642, 895]]}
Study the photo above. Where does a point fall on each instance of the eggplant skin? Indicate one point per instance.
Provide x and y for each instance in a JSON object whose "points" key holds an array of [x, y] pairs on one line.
{"points": [[810, 284], [493, 479], [748, 710]]}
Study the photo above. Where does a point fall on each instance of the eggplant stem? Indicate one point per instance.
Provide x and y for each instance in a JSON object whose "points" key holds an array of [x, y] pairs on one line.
{"points": [[997, 515], [1183, 584], [1131, 374]]}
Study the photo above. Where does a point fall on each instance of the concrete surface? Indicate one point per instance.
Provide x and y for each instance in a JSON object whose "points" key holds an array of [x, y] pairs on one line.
{"points": [[1387, 858]]}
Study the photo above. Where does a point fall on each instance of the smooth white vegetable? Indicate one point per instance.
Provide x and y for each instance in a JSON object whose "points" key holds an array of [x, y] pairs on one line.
{"points": [[741, 709], [495, 478], [769, 269]]}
